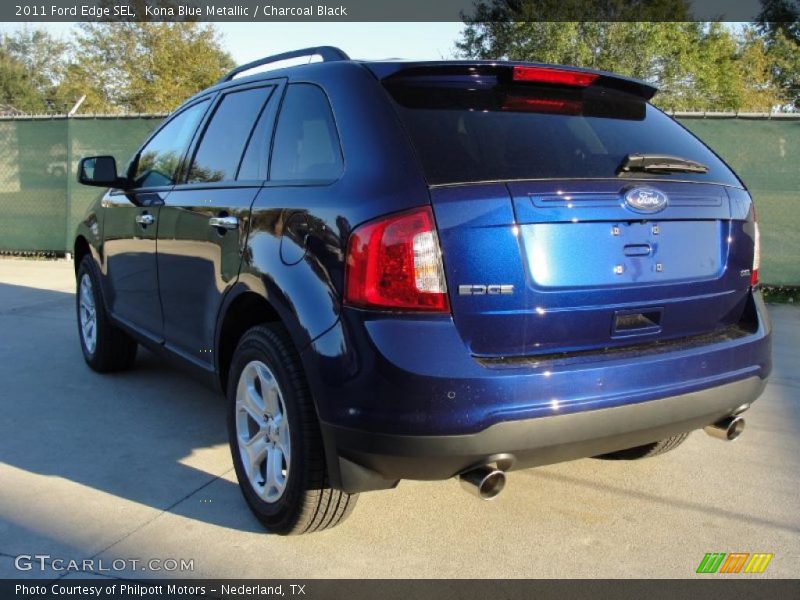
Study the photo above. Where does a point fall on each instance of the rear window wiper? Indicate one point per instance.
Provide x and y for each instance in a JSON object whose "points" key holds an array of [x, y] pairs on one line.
{"points": [[660, 163]]}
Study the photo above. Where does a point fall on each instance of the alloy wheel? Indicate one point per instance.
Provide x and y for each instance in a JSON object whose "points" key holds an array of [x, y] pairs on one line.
{"points": [[262, 431], [88, 314]]}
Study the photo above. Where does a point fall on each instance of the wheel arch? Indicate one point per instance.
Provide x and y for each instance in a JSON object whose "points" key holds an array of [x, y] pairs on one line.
{"points": [[251, 301], [80, 249]]}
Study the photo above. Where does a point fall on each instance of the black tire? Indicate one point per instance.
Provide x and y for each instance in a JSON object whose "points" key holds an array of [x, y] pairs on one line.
{"points": [[647, 450], [114, 350], [308, 503]]}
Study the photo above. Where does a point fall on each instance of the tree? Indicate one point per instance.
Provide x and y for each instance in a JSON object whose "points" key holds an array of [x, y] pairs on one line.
{"points": [[16, 87], [520, 29], [578, 11], [780, 16], [31, 65], [760, 88], [779, 23], [696, 66], [142, 66]]}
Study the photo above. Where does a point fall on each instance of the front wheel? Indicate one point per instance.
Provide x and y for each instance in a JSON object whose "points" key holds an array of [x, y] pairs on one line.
{"points": [[105, 347], [275, 438]]}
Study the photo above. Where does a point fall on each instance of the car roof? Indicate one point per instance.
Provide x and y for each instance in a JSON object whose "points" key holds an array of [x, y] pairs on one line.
{"points": [[395, 67]]}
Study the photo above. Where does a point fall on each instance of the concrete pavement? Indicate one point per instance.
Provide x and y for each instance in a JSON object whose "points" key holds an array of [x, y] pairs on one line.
{"points": [[136, 466]]}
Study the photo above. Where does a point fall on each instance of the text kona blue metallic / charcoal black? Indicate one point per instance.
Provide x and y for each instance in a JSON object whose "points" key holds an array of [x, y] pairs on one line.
{"points": [[425, 270]]}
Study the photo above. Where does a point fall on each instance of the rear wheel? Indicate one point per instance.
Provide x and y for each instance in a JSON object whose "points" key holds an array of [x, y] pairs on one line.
{"points": [[106, 348], [647, 450], [275, 438]]}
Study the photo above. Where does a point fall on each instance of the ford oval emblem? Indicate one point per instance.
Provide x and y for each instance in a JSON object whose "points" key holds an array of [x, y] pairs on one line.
{"points": [[646, 200]]}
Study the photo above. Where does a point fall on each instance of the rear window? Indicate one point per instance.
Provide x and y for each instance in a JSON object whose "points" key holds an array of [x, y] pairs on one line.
{"points": [[479, 133]]}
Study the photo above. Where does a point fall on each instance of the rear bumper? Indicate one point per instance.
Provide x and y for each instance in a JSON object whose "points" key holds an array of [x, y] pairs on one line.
{"points": [[375, 461], [401, 398]]}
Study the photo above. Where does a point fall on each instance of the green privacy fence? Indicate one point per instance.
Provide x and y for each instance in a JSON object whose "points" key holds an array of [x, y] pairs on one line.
{"points": [[41, 203], [40, 200], [765, 153]]}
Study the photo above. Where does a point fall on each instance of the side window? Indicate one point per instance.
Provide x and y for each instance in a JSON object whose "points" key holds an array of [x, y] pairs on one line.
{"points": [[256, 158], [159, 160], [306, 143], [218, 155]]}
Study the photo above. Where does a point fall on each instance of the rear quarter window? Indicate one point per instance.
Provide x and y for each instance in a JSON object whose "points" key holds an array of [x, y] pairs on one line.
{"points": [[306, 145]]}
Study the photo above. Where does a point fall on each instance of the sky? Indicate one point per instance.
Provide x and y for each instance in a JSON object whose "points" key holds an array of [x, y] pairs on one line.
{"points": [[249, 41]]}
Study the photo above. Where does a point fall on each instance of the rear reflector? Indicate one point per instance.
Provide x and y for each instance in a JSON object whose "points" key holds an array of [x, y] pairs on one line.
{"points": [[554, 76], [396, 263]]}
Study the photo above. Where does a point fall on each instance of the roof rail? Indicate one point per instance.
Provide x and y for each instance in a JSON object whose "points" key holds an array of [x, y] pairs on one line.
{"points": [[328, 54]]}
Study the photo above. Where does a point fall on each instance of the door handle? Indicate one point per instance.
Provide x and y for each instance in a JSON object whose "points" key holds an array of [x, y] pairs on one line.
{"points": [[224, 222], [145, 219]]}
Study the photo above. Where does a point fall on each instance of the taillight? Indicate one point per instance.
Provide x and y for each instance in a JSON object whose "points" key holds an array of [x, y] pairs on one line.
{"points": [[396, 263], [756, 255], [554, 76]]}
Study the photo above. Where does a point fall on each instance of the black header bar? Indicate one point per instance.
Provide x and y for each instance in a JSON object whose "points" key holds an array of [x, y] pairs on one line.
{"points": [[380, 11], [712, 587]]}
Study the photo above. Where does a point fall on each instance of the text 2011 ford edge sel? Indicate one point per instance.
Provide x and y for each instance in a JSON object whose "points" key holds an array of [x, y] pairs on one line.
{"points": [[424, 270]]}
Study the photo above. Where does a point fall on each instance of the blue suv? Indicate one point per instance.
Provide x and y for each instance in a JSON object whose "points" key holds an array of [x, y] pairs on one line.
{"points": [[425, 270]]}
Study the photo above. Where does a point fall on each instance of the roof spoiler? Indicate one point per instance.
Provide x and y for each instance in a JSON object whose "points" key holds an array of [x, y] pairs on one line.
{"points": [[328, 54], [505, 72]]}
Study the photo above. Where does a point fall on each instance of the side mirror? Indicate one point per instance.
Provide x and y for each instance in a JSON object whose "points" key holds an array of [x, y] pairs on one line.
{"points": [[100, 171]]}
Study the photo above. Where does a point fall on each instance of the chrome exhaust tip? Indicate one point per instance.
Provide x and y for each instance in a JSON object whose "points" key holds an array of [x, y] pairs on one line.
{"points": [[728, 429], [484, 482]]}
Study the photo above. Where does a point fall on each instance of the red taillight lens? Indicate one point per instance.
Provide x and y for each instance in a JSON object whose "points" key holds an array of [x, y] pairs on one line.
{"points": [[542, 105], [396, 263], [554, 76], [756, 255]]}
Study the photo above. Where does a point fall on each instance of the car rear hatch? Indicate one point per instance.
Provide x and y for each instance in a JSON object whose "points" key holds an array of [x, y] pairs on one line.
{"points": [[573, 216]]}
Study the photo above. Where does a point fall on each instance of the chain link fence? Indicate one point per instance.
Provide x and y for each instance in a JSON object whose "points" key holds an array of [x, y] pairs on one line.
{"points": [[765, 152], [41, 202], [40, 199]]}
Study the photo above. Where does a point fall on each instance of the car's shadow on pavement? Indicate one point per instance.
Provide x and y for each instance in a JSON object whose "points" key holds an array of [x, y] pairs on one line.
{"points": [[155, 441], [151, 435]]}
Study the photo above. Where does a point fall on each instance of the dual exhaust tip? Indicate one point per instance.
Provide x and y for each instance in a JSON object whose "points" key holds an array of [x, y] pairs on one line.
{"points": [[487, 482], [484, 482], [728, 429]]}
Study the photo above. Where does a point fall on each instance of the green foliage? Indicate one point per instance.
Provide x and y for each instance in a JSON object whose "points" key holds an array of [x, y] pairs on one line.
{"points": [[142, 67], [152, 66], [16, 88], [579, 10], [779, 23], [696, 66], [780, 16], [760, 88], [30, 69], [119, 67]]}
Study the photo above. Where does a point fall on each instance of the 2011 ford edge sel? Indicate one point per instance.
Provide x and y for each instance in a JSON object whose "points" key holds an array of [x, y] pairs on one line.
{"points": [[425, 270]]}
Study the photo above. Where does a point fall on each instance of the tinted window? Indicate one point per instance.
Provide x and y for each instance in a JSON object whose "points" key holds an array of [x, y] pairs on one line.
{"points": [[218, 155], [502, 133], [306, 143], [159, 160], [256, 157]]}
